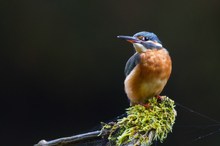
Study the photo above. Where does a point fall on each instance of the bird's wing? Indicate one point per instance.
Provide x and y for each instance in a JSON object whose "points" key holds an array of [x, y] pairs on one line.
{"points": [[131, 63]]}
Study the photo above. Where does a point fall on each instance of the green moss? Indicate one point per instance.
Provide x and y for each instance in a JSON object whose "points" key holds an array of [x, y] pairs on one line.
{"points": [[143, 125]]}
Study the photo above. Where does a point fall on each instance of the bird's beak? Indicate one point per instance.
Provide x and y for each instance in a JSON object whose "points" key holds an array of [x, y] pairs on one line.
{"points": [[129, 38], [135, 41]]}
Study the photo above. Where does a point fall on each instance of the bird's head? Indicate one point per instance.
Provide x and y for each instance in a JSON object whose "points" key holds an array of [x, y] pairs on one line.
{"points": [[143, 41]]}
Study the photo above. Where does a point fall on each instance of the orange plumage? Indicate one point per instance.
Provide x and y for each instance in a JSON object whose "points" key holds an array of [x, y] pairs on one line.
{"points": [[149, 77]]}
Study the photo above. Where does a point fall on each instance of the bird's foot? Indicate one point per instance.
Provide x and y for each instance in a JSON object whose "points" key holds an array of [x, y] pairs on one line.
{"points": [[159, 98], [146, 105]]}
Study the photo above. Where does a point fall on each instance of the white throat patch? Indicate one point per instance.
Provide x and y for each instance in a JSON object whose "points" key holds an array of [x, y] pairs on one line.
{"points": [[139, 47]]}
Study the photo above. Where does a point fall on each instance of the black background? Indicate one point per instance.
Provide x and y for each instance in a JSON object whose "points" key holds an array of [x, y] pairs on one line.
{"points": [[62, 67]]}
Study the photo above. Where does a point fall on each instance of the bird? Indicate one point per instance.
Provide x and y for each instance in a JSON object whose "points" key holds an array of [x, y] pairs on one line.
{"points": [[148, 69]]}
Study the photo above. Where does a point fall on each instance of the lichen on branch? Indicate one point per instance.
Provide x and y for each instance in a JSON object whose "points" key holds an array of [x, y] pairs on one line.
{"points": [[143, 124]]}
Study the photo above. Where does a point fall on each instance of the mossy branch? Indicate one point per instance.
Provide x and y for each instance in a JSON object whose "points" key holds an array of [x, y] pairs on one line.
{"points": [[141, 126]]}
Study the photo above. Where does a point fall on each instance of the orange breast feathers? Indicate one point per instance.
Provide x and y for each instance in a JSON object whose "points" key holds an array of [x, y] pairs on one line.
{"points": [[149, 76]]}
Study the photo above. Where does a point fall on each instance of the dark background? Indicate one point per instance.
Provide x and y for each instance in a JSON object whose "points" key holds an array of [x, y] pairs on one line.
{"points": [[62, 67]]}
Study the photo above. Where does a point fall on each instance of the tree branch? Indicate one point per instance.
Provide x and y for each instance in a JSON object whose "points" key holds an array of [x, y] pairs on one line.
{"points": [[141, 126], [69, 140]]}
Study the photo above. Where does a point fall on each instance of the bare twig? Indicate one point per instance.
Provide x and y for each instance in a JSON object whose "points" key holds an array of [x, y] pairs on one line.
{"points": [[69, 140]]}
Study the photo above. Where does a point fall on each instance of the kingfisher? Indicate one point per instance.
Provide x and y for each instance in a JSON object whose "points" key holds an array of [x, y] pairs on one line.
{"points": [[148, 70]]}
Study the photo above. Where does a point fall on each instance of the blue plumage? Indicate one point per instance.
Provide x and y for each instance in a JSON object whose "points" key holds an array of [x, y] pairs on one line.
{"points": [[150, 35], [131, 63]]}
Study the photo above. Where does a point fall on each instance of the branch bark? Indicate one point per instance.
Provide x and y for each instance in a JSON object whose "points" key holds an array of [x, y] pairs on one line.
{"points": [[69, 140]]}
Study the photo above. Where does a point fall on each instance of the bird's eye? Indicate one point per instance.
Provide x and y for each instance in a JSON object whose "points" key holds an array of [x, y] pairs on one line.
{"points": [[145, 38]]}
